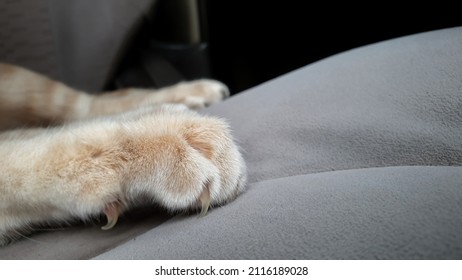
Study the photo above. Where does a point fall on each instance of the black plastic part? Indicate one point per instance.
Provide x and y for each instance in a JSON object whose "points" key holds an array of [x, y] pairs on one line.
{"points": [[163, 52], [191, 60], [162, 64]]}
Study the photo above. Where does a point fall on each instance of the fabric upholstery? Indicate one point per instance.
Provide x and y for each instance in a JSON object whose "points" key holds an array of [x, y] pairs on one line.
{"points": [[357, 156], [393, 103], [373, 213], [330, 149], [77, 42]]}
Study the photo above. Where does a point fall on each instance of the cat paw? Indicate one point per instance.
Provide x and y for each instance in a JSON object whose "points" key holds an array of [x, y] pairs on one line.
{"points": [[200, 93], [190, 162]]}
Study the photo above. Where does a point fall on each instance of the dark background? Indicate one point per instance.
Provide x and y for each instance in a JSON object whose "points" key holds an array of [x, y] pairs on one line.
{"points": [[253, 41], [245, 43]]}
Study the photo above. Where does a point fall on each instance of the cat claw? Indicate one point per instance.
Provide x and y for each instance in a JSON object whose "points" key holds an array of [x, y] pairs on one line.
{"points": [[204, 210], [110, 223], [204, 200], [112, 212]]}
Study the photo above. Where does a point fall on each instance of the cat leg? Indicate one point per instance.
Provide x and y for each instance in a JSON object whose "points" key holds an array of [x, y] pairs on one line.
{"points": [[194, 95], [28, 99], [174, 158]]}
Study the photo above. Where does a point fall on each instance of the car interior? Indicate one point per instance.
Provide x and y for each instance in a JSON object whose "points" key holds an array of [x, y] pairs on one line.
{"points": [[349, 118], [244, 44]]}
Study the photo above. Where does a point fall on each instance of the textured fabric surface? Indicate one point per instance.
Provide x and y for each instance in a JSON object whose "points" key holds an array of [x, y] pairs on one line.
{"points": [[393, 103], [377, 213], [89, 49], [83, 241], [74, 41], [26, 36], [396, 103], [335, 153]]}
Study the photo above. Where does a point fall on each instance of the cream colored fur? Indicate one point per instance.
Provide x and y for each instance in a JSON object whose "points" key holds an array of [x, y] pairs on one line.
{"points": [[103, 153]]}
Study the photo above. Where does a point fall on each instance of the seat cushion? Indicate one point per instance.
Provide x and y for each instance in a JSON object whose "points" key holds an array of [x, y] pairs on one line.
{"points": [[375, 213], [336, 154], [392, 103]]}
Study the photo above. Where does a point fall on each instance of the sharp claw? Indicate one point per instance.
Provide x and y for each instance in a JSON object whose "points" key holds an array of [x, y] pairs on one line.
{"points": [[112, 211], [205, 200], [205, 208], [111, 222]]}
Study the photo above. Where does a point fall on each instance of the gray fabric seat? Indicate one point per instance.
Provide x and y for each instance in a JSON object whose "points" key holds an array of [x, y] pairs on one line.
{"points": [[357, 156], [374, 213], [76, 42]]}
